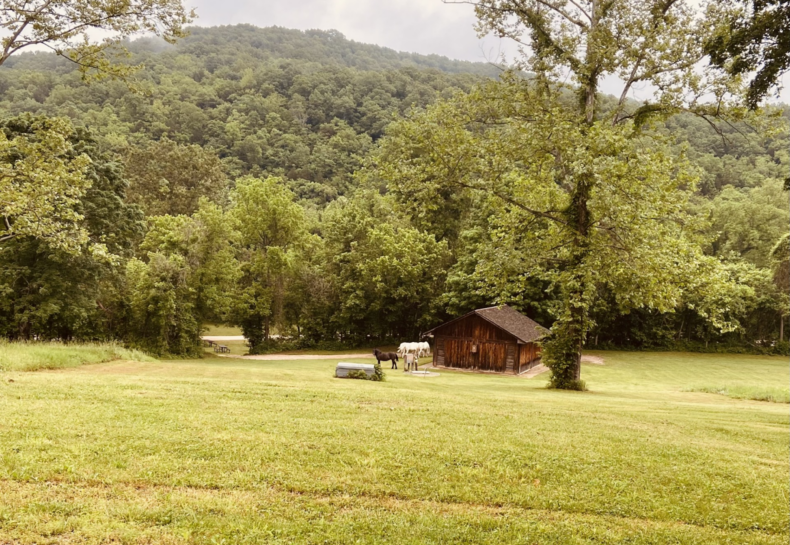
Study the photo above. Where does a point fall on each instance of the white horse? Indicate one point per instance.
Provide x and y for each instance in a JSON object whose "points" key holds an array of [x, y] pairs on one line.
{"points": [[425, 348], [409, 348]]}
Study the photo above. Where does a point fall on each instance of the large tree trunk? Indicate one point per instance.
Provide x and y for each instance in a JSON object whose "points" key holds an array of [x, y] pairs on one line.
{"points": [[578, 332], [580, 215], [578, 343], [564, 349]]}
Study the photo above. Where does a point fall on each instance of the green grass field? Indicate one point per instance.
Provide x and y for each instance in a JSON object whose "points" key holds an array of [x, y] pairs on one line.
{"points": [[230, 451], [38, 356]]}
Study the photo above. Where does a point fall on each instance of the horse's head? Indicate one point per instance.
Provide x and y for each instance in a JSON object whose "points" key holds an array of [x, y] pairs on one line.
{"points": [[376, 352]]}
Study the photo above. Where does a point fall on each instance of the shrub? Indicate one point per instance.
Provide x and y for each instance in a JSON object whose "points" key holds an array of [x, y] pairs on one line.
{"points": [[378, 374], [577, 385]]}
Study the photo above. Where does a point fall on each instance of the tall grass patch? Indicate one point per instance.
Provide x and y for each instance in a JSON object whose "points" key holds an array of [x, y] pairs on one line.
{"points": [[35, 356]]}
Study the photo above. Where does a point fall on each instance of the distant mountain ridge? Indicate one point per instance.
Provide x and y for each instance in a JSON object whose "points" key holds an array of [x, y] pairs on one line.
{"points": [[325, 47]]}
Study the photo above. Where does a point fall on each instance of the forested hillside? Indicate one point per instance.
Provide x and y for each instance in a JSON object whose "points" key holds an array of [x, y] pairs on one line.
{"points": [[243, 169], [303, 105]]}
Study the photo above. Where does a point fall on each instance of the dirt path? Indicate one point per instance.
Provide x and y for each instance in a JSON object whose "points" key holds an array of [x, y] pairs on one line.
{"points": [[535, 371], [282, 357], [538, 369]]}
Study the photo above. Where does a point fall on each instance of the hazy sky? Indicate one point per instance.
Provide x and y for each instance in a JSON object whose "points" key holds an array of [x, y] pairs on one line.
{"points": [[420, 26]]}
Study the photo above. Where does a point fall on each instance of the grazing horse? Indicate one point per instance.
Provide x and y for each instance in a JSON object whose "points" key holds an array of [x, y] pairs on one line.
{"points": [[386, 356]]}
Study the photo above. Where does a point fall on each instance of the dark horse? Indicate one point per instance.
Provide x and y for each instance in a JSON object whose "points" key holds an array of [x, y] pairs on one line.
{"points": [[386, 356]]}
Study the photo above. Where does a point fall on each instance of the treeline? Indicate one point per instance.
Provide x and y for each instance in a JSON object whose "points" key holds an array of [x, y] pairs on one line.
{"points": [[240, 186], [254, 257]]}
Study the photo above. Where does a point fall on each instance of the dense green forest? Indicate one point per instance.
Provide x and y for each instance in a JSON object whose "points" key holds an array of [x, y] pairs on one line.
{"points": [[239, 182], [304, 106]]}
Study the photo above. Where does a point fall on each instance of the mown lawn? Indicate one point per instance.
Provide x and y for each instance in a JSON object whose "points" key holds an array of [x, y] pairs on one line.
{"points": [[231, 451]]}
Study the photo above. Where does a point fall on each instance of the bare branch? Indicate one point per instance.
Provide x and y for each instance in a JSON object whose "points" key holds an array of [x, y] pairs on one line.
{"points": [[567, 16]]}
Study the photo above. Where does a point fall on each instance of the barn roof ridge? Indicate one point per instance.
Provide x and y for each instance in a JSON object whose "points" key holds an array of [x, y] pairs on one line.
{"points": [[505, 317]]}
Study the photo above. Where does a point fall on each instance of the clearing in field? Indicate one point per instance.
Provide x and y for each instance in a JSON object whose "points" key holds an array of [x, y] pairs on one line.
{"points": [[234, 451]]}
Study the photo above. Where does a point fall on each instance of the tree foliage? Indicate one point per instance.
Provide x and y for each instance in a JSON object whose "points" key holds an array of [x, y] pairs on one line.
{"points": [[636, 238], [749, 222], [41, 181], [53, 290], [185, 277], [66, 27], [386, 275], [268, 102], [168, 178], [754, 39], [654, 42], [272, 235]]}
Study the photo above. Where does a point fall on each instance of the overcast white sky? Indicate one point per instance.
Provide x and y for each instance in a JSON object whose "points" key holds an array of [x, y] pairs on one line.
{"points": [[420, 26]]}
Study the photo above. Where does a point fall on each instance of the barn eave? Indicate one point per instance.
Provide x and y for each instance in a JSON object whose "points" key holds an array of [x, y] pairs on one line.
{"points": [[540, 331]]}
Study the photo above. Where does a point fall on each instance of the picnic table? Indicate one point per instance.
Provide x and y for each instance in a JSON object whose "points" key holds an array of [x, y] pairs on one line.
{"points": [[221, 348]]}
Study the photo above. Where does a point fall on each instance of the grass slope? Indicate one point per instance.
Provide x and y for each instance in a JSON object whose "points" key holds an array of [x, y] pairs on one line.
{"points": [[37, 356], [233, 451]]}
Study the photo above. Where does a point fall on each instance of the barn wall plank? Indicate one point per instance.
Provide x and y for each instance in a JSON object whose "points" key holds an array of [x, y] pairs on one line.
{"points": [[528, 356], [473, 327], [490, 355]]}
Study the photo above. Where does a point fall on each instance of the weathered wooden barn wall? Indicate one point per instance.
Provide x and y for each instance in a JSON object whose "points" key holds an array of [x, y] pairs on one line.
{"points": [[527, 356], [474, 327], [455, 342]]}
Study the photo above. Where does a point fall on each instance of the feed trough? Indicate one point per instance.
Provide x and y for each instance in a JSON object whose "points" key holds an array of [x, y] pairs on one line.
{"points": [[344, 367]]}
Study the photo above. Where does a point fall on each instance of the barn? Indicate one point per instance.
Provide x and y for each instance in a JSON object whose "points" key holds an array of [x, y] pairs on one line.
{"points": [[496, 339]]}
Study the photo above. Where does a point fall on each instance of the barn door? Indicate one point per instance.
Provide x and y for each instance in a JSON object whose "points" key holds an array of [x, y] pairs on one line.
{"points": [[439, 351], [510, 358]]}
